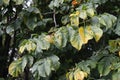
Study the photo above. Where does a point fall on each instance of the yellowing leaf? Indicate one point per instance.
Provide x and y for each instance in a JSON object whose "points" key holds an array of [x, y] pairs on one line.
{"points": [[21, 49], [76, 41], [97, 33], [79, 75], [83, 14], [85, 34], [119, 53], [49, 38], [75, 14], [90, 12], [85, 74], [74, 18], [15, 68], [71, 76], [28, 45], [74, 38]]}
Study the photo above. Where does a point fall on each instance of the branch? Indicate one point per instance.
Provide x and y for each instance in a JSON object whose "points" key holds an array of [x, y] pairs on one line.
{"points": [[54, 18]]}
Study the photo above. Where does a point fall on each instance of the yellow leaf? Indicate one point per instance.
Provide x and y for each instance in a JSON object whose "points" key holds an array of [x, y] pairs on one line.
{"points": [[49, 38], [67, 75], [85, 34], [119, 53], [74, 18], [79, 75], [70, 76], [30, 46], [85, 74], [75, 14], [21, 49]]}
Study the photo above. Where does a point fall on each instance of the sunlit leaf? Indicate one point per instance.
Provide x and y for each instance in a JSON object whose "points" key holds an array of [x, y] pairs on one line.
{"points": [[71, 76], [75, 38], [28, 45], [83, 14], [74, 18], [49, 38], [97, 32], [79, 75], [90, 12], [16, 68], [61, 37], [85, 34]]}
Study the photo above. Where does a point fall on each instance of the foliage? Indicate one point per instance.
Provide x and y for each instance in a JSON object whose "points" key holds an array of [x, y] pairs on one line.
{"points": [[60, 39]]}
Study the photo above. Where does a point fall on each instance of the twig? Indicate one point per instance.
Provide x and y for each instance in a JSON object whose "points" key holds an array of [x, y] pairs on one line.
{"points": [[54, 18]]}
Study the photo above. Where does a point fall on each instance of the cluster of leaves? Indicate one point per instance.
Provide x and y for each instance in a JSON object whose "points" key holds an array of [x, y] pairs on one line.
{"points": [[37, 39], [102, 65]]}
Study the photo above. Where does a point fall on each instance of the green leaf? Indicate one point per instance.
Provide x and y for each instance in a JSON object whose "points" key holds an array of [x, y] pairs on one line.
{"points": [[107, 20], [61, 37], [43, 67], [116, 66], [28, 45], [104, 66], [86, 34], [33, 9], [92, 63], [16, 68], [97, 33], [65, 19], [55, 62], [83, 14], [18, 2], [6, 2], [31, 22], [116, 76], [90, 12], [41, 43], [55, 3], [117, 29], [74, 19], [84, 66], [75, 38], [27, 59], [114, 45], [101, 20]]}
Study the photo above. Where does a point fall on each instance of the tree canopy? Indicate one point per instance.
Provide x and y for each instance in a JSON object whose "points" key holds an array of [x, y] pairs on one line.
{"points": [[60, 39]]}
